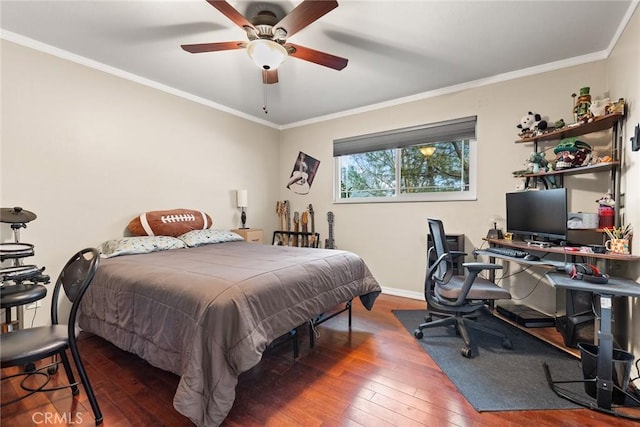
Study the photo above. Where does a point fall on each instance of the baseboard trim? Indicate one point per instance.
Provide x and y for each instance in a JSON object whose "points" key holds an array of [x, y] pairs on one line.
{"points": [[403, 293]]}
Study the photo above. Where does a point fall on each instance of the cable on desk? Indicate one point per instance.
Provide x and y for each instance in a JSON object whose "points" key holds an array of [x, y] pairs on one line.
{"points": [[637, 370], [506, 276], [483, 274], [635, 389], [531, 291], [522, 270], [583, 259], [505, 268], [565, 261]]}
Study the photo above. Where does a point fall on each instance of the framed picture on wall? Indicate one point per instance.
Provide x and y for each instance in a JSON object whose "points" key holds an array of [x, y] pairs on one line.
{"points": [[303, 173]]}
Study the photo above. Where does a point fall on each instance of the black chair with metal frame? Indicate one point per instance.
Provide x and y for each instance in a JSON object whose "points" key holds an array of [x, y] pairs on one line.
{"points": [[30, 345], [458, 299]]}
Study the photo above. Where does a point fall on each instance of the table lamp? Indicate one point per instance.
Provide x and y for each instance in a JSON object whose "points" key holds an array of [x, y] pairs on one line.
{"points": [[241, 196]]}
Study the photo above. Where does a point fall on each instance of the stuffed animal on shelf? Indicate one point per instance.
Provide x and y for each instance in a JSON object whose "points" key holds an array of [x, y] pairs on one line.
{"points": [[531, 124], [581, 108], [571, 153], [599, 107], [537, 162], [617, 107], [559, 124], [606, 200]]}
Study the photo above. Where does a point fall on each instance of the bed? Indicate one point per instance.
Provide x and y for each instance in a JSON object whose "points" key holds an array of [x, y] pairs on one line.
{"points": [[207, 313]]}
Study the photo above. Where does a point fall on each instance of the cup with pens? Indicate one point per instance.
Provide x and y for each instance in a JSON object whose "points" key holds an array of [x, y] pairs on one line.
{"points": [[619, 237]]}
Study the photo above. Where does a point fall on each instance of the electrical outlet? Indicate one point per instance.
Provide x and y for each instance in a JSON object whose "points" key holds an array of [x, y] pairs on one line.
{"points": [[33, 305]]}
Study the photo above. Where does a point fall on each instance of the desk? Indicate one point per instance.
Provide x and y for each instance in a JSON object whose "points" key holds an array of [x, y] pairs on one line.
{"points": [[563, 250], [568, 338], [615, 287], [570, 255], [540, 263]]}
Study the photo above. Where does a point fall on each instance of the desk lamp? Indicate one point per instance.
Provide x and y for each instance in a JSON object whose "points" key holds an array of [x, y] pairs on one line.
{"points": [[495, 232], [241, 197]]}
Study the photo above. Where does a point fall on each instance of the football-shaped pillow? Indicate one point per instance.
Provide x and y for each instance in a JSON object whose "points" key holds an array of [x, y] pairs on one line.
{"points": [[172, 222]]}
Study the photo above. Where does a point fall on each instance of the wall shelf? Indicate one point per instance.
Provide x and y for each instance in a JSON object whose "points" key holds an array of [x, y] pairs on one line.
{"points": [[611, 121], [598, 124], [599, 167]]}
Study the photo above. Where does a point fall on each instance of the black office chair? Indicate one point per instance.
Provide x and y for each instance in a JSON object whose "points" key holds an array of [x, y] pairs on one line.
{"points": [[458, 299], [27, 346]]}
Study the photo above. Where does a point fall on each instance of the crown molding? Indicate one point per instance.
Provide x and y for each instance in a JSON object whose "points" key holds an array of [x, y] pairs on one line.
{"points": [[78, 59], [525, 72]]}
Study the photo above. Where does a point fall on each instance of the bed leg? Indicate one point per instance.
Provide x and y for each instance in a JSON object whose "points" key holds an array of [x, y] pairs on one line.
{"points": [[312, 340], [296, 346], [321, 319]]}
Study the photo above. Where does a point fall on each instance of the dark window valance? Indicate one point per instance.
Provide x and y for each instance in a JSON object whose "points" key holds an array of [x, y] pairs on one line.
{"points": [[449, 130]]}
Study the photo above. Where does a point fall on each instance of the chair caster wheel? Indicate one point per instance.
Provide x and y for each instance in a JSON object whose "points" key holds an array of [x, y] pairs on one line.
{"points": [[506, 343], [466, 352], [418, 334], [52, 369], [30, 367]]}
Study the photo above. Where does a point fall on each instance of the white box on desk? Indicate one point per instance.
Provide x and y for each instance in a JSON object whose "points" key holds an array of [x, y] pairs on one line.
{"points": [[582, 220]]}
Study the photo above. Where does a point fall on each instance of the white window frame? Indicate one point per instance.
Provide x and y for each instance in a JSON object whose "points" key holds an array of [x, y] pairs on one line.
{"points": [[458, 129]]}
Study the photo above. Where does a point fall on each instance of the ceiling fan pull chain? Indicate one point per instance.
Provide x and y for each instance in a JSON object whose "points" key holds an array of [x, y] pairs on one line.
{"points": [[264, 101]]}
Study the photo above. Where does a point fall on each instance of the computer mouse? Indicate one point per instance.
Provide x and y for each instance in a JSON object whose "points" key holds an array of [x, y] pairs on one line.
{"points": [[531, 257]]}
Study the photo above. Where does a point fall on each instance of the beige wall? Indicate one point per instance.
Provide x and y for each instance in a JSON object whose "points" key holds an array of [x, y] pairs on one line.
{"points": [[87, 151], [623, 68]]}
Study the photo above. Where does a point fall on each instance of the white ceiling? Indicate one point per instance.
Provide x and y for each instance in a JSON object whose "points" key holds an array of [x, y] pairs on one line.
{"points": [[396, 49]]}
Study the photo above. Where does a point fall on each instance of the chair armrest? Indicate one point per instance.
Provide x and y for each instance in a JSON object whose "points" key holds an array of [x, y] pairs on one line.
{"points": [[474, 269], [456, 254], [479, 266]]}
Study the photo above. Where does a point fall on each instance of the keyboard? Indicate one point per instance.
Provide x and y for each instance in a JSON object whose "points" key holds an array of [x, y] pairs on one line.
{"points": [[514, 253]]}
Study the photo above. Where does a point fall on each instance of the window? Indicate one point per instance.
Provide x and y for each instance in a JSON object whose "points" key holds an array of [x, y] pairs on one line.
{"points": [[422, 163]]}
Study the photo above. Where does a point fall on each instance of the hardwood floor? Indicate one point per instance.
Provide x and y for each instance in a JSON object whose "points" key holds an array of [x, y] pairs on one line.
{"points": [[375, 375]]}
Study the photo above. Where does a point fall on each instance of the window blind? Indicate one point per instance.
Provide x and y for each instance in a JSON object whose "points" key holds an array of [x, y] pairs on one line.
{"points": [[449, 130]]}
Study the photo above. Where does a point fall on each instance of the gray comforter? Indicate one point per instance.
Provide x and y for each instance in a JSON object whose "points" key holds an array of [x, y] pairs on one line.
{"points": [[208, 313]]}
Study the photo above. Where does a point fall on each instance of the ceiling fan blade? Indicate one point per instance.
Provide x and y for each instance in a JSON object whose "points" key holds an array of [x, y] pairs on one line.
{"points": [[304, 14], [317, 57], [213, 47], [230, 12], [269, 76]]}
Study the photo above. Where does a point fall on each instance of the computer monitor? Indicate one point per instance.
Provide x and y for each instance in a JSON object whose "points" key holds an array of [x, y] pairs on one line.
{"points": [[538, 214]]}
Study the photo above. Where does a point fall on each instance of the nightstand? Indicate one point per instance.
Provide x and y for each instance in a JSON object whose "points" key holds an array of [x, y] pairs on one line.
{"points": [[255, 235]]}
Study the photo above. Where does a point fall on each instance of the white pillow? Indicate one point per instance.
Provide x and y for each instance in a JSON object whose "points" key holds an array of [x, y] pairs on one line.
{"points": [[139, 245], [204, 237]]}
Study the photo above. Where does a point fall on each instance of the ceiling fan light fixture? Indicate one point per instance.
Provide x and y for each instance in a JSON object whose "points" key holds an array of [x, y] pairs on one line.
{"points": [[266, 54]]}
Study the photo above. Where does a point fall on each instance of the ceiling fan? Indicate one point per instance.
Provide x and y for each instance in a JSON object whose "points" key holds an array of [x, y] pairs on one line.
{"points": [[267, 45]]}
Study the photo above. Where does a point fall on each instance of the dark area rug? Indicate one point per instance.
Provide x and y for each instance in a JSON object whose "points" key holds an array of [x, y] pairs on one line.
{"points": [[497, 379]]}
